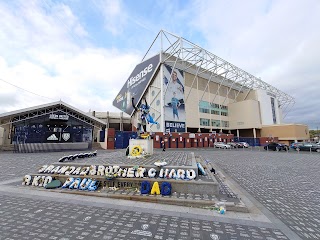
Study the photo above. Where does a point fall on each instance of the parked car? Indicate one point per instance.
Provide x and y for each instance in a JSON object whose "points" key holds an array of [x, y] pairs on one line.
{"points": [[307, 146], [221, 145], [233, 144], [276, 147], [294, 145], [243, 144], [239, 145]]}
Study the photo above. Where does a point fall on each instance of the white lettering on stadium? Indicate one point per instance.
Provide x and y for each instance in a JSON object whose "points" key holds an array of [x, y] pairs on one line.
{"points": [[175, 125], [57, 116], [139, 76]]}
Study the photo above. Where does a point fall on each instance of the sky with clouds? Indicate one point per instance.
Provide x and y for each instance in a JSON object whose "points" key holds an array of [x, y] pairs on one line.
{"points": [[83, 51]]}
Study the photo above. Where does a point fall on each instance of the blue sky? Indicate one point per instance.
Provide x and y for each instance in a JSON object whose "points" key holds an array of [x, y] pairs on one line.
{"points": [[83, 51]]}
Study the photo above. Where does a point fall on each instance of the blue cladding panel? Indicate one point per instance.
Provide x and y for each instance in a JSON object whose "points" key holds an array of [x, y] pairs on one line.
{"points": [[122, 139], [102, 136], [118, 140]]}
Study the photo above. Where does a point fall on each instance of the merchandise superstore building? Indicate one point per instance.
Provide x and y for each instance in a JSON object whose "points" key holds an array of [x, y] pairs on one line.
{"points": [[192, 90], [50, 127]]}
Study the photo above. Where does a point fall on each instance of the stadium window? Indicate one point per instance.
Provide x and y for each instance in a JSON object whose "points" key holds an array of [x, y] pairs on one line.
{"points": [[225, 123], [204, 122], [215, 123], [204, 104], [216, 105], [215, 112], [203, 110]]}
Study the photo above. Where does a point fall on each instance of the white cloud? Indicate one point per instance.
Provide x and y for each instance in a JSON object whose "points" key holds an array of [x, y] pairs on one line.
{"points": [[114, 14], [40, 54], [89, 79], [274, 40], [28, 27]]}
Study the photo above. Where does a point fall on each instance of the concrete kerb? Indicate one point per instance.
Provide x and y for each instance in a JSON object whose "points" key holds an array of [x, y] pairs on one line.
{"points": [[159, 199], [231, 206], [179, 186], [148, 198], [238, 190]]}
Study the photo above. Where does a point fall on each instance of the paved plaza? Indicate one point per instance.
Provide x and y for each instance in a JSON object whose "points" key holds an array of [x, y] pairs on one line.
{"points": [[287, 184], [282, 190]]}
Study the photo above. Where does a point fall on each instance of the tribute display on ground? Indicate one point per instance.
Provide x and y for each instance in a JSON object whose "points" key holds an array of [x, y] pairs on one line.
{"points": [[159, 178], [170, 180]]}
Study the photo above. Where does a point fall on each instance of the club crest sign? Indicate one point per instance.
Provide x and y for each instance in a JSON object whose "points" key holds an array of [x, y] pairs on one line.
{"points": [[143, 232], [53, 116], [52, 137], [214, 236], [145, 226], [66, 136]]}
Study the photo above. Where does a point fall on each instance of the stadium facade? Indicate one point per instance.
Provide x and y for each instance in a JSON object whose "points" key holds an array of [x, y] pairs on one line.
{"points": [[192, 90], [189, 90]]}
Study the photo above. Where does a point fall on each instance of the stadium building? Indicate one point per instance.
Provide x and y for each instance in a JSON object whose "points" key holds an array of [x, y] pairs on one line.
{"points": [[189, 90], [192, 90]]}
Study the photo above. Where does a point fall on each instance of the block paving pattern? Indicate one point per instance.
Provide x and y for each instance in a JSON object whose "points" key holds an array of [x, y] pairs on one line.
{"points": [[287, 184], [119, 157], [19, 164], [26, 219], [225, 193]]}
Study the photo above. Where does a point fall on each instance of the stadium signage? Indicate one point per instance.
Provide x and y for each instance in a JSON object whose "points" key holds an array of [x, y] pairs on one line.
{"points": [[59, 117], [139, 76], [175, 124], [119, 98], [172, 126], [136, 84]]}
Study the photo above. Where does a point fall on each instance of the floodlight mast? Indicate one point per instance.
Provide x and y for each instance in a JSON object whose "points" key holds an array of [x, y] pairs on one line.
{"points": [[187, 56]]}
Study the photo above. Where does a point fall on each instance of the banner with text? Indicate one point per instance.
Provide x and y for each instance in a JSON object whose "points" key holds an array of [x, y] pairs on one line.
{"points": [[174, 105], [136, 84], [171, 126]]}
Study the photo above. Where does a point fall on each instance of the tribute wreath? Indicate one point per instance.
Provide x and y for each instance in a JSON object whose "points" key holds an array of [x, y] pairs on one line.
{"points": [[136, 151]]}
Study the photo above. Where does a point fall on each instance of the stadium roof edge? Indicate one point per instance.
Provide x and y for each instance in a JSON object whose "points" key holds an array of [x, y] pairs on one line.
{"points": [[12, 114], [175, 45]]}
